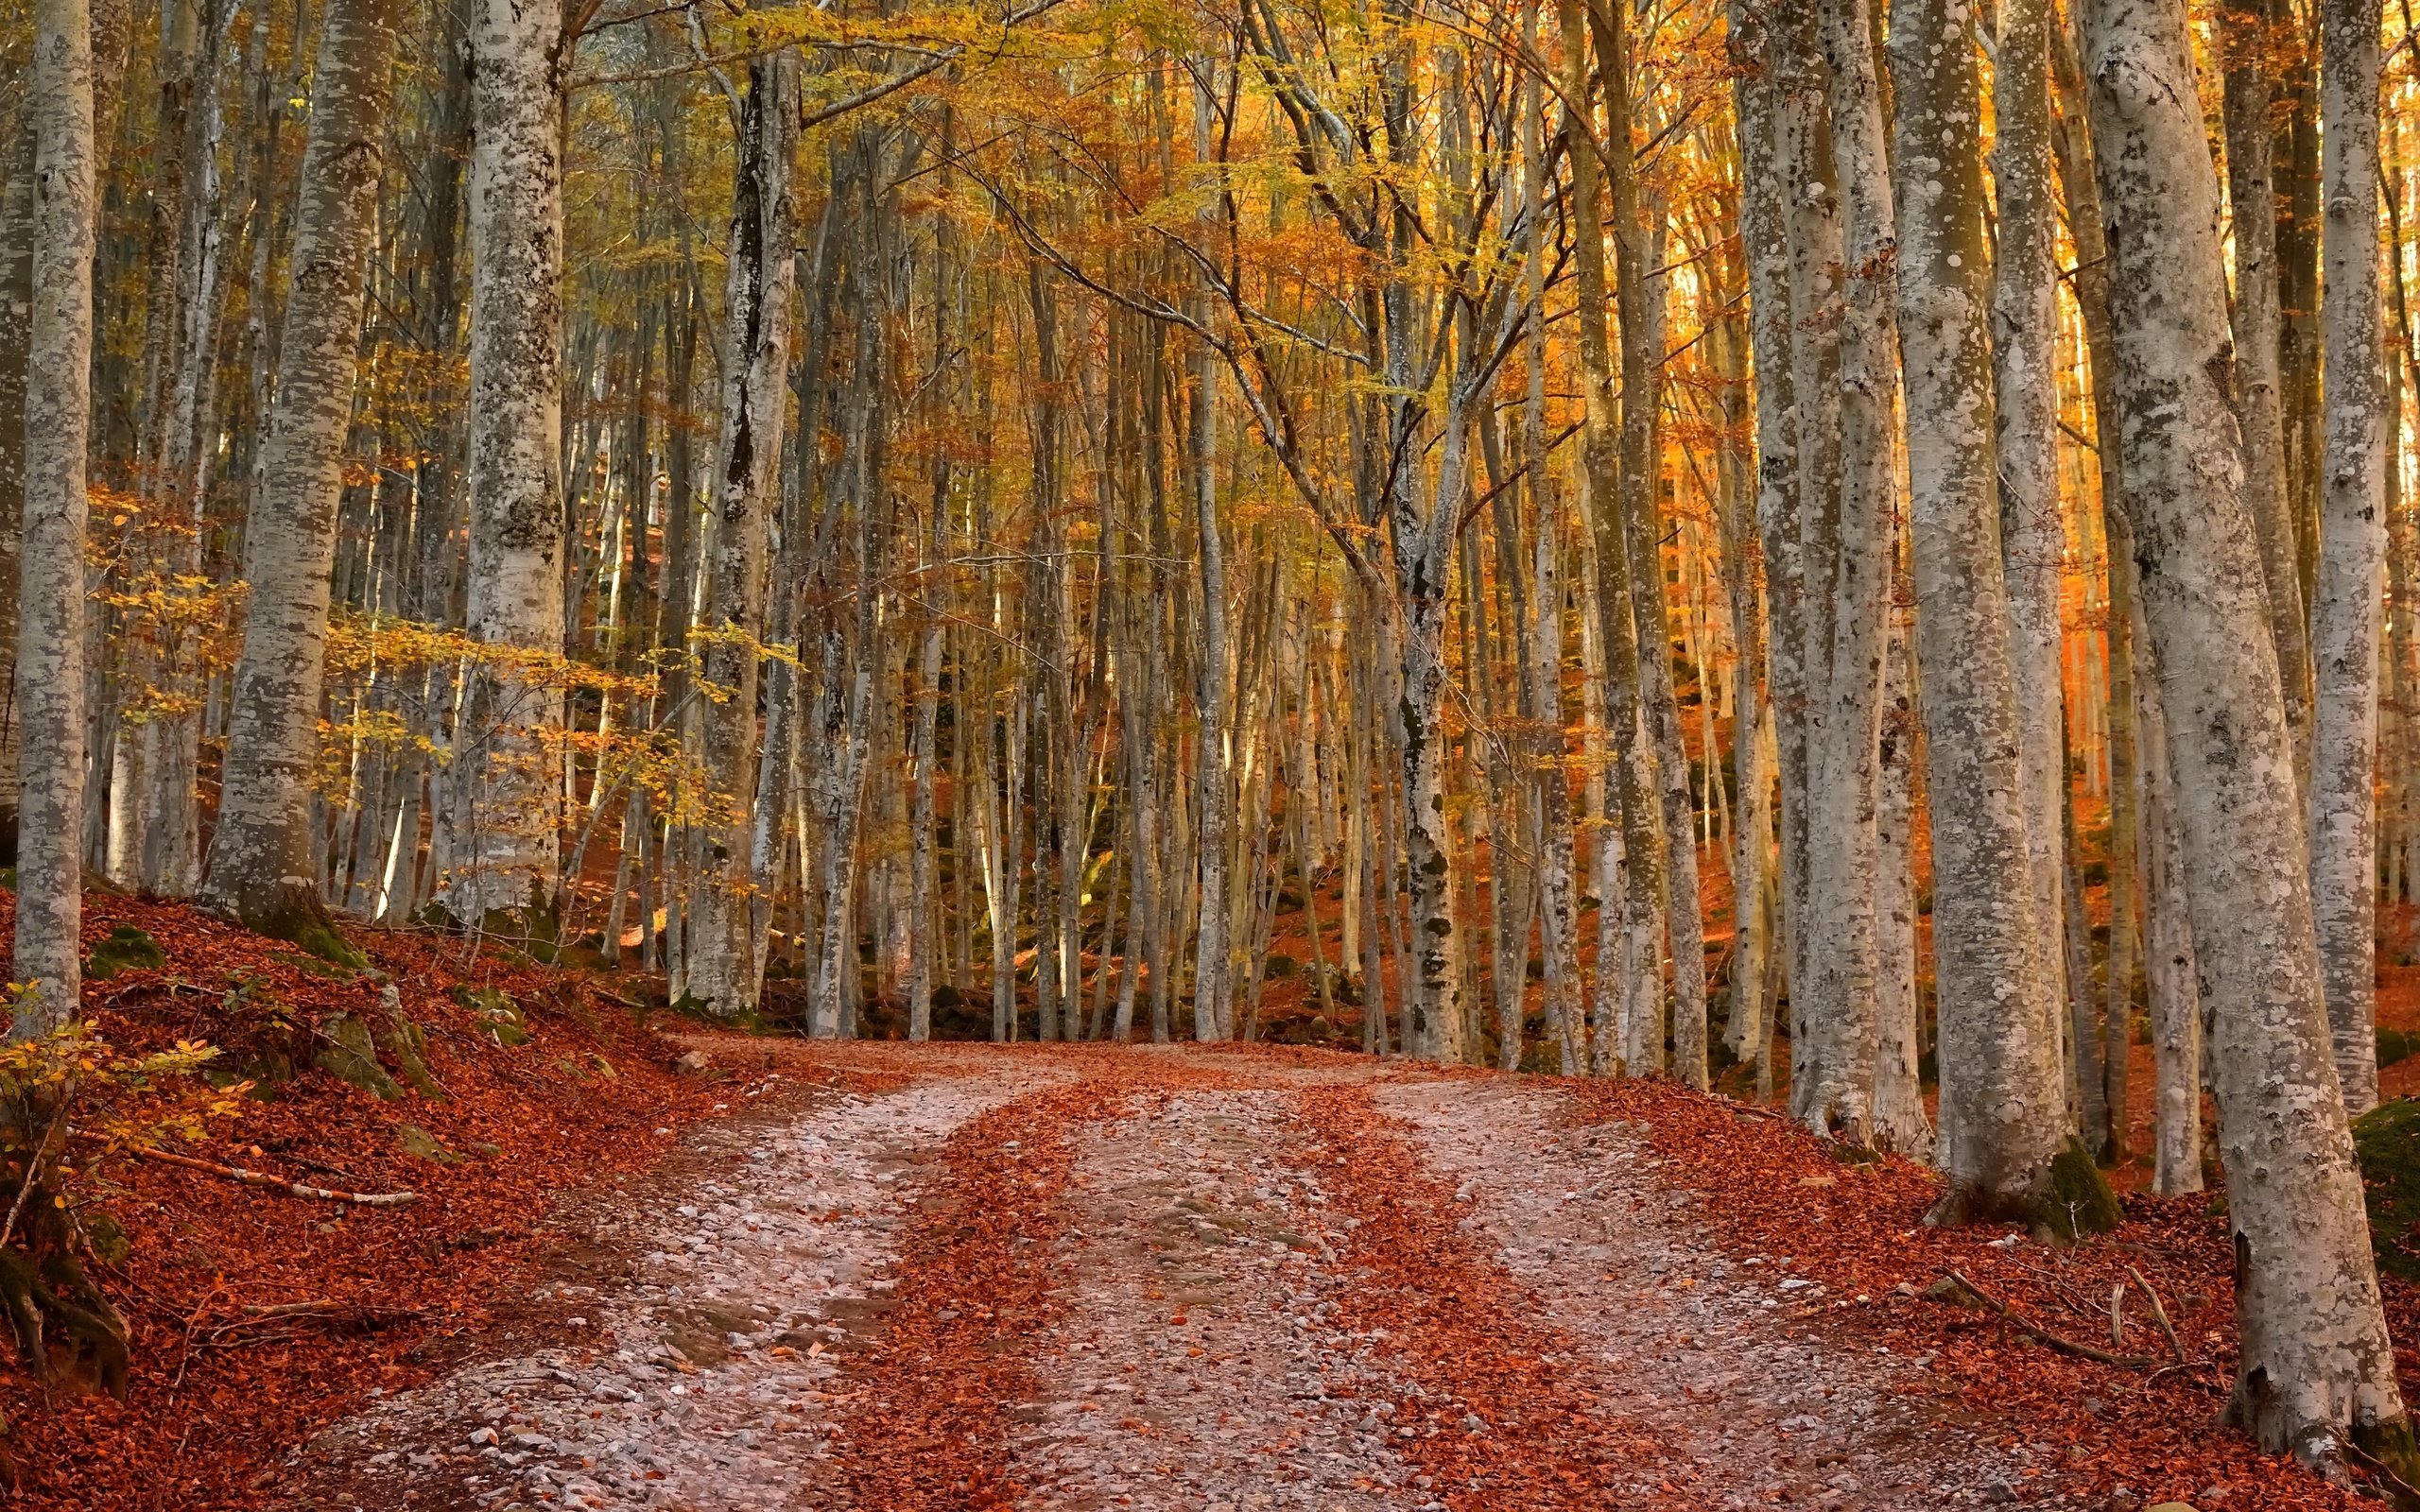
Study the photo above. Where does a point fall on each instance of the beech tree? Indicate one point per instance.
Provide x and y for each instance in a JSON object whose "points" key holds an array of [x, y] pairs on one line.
{"points": [[1562, 536], [2316, 1365]]}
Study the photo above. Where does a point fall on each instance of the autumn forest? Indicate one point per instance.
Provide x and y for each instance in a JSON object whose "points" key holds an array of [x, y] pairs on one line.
{"points": [[1857, 555]]}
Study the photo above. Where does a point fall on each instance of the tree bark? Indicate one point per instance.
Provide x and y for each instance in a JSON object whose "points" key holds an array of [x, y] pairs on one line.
{"points": [[2316, 1363], [2001, 1109], [2352, 551], [502, 810], [261, 866], [755, 400], [50, 594]]}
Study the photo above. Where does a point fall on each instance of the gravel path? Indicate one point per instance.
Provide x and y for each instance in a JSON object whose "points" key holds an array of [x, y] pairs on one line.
{"points": [[708, 1382], [1236, 1392], [1202, 1326], [1701, 1349]]}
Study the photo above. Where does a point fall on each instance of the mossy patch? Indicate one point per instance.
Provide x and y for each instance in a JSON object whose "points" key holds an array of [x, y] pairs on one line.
{"points": [[2080, 1200], [2387, 1138], [2395, 1044], [421, 1144], [126, 948], [348, 1052], [498, 1015], [404, 1040]]}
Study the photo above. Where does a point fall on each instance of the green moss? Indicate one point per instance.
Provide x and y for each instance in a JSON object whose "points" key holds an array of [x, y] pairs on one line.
{"points": [[404, 1040], [2393, 1445], [2080, 1200], [347, 1052], [421, 1144], [2387, 1138], [2395, 1044], [126, 948], [497, 1013], [107, 1238]]}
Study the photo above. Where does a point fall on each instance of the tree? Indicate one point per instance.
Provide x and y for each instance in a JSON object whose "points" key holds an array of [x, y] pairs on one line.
{"points": [[2316, 1365], [2001, 1110], [500, 814], [2352, 551], [50, 594], [755, 399], [262, 863]]}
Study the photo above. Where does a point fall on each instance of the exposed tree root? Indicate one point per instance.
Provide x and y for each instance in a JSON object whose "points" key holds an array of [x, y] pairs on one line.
{"points": [[67, 1331]]}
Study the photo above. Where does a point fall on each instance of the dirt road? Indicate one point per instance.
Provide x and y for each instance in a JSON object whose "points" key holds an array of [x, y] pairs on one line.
{"points": [[1166, 1278]]}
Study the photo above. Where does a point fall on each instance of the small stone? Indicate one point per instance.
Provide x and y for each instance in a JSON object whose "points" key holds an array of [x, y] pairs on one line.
{"points": [[483, 1437], [695, 1063]]}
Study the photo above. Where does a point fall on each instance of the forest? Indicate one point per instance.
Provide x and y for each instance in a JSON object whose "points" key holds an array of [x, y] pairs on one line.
{"points": [[1857, 557]]}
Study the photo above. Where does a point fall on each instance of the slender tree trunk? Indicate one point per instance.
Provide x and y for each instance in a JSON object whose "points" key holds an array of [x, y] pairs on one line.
{"points": [[755, 400], [2025, 336], [1614, 460], [2244, 46], [502, 814], [2316, 1363], [2001, 1110], [261, 867], [2352, 552]]}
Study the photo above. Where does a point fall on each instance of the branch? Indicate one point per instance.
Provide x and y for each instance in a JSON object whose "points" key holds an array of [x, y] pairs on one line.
{"points": [[261, 1179], [2056, 1341], [2160, 1314]]}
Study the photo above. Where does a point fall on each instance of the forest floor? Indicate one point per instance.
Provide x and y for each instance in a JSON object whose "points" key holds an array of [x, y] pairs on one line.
{"points": [[775, 1274], [1228, 1279]]}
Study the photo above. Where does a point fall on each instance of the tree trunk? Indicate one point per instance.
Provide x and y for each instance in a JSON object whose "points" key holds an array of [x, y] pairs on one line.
{"points": [[50, 594], [2001, 1110], [2025, 336], [261, 867], [2244, 46], [502, 806], [755, 400], [2316, 1362], [2352, 552]]}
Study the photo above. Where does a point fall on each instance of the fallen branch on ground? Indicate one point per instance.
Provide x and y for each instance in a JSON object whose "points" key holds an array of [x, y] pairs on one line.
{"points": [[335, 1314], [2056, 1341], [2160, 1314], [277, 1184]]}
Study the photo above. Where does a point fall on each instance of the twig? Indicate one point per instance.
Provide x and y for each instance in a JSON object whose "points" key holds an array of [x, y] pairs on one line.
{"points": [[273, 1183], [2160, 1314], [236, 1332], [257, 1309], [2056, 1341]]}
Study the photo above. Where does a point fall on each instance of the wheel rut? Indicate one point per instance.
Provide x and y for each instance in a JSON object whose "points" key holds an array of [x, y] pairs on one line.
{"points": [[1104, 1279]]}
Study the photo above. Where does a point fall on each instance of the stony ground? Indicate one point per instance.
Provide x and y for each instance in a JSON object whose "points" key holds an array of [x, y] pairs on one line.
{"points": [[1158, 1279]]}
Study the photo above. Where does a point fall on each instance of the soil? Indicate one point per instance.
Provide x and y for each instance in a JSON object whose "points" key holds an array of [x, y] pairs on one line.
{"points": [[1080, 1278]]}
